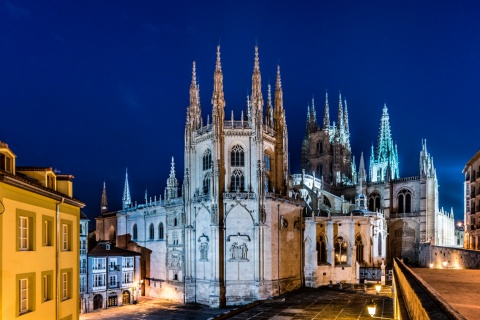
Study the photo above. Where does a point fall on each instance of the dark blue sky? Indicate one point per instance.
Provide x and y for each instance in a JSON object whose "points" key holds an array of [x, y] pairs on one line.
{"points": [[93, 87]]}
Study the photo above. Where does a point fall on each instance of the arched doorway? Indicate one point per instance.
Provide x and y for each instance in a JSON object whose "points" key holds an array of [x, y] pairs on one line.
{"points": [[112, 299], [126, 297], [97, 302]]}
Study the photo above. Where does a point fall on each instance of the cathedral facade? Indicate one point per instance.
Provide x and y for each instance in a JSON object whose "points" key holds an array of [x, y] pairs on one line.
{"points": [[244, 229]]}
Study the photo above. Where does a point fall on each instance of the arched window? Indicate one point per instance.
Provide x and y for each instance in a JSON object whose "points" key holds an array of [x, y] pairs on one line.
{"points": [[266, 160], [404, 201], [320, 147], [321, 250], [379, 174], [359, 245], [340, 251], [151, 232], [175, 222], [238, 181], [134, 232], [207, 160], [379, 244], [206, 184], [237, 156], [160, 231], [374, 202]]}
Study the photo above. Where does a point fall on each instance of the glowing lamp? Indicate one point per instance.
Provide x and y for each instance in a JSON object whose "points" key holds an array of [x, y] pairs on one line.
{"points": [[372, 308], [431, 265], [445, 263], [378, 287]]}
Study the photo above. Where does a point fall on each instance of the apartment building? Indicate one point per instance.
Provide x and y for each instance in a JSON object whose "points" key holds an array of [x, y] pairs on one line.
{"points": [[472, 203]]}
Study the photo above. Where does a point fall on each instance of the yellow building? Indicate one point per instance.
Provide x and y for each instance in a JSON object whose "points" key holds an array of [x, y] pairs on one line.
{"points": [[39, 242]]}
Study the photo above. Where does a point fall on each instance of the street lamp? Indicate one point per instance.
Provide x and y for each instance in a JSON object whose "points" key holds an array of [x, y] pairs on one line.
{"points": [[372, 309], [378, 287], [445, 263], [431, 265]]}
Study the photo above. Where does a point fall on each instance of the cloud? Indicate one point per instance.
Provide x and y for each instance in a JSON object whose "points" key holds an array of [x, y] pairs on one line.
{"points": [[16, 11]]}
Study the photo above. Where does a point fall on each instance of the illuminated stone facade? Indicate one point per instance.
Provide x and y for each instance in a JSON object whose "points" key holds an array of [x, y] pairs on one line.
{"points": [[472, 203]]}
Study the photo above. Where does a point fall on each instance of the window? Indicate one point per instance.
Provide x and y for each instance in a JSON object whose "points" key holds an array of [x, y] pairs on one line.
{"points": [[25, 292], [113, 264], [66, 283], [237, 156], [359, 245], [321, 250], [47, 231], [112, 281], [379, 244], [134, 232], [128, 277], [238, 181], [66, 235], [47, 286], [127, 262], [151, 232], [5, 163], [160, 231], [374, 202], [99, 263], [175, 222], [340, 251], [206, 184], [24, 234], [404, 201], [207, 160], [266, 160], [99, 280]]}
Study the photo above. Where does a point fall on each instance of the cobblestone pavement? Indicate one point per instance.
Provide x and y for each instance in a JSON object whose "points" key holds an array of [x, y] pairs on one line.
{"points": [[305, 303]]}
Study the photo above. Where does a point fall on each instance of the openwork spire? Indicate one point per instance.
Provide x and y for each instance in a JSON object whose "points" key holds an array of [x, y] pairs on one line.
{"points": [[326, 113], [257, 98], [171, 191], [278, 95], [195, 110], [340, 125], [269, 115], [126, 199], [104, 201], [218, 97]]}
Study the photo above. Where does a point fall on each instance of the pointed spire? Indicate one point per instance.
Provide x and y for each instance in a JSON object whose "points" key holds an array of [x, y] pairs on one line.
{"points": [[278, 112], [257, 99], [269, 115], [326, 113], [126, 199], [314, 112], [218, 98], [194, 113], [346, 125], [362, 174], [171, 191], [104, 201], [340, 127]]}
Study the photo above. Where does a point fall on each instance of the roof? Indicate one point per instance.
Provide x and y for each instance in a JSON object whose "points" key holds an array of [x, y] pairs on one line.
{"points": [[83, 216], [100, 251]]}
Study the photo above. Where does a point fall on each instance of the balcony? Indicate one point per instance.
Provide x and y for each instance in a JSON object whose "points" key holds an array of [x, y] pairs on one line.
{"points": [[127, 284], [128, 266], [114, 267], [99, 268], [114, 285], [99, 288]]}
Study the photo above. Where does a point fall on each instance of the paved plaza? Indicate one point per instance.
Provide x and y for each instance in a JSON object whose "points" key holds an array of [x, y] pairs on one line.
{"points": [[305, 303]]}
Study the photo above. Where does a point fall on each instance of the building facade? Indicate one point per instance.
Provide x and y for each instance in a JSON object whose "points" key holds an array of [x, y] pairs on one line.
{"points": [[83, 259], [244, 229], [472, 203], [39, 232]]}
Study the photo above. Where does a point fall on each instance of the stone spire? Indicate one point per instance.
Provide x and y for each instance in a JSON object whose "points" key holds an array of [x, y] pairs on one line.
{"points": [[171, 191], [126, 199], [326, 114], [104, 201], [269, 115], [279, 113], [218, 97], [340, 125], [362, 174], [257, 98], [346, 125], [195, 109]]}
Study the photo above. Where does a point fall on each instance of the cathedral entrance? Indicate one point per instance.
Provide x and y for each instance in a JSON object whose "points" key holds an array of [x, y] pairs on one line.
{"points": [[97, 302]]}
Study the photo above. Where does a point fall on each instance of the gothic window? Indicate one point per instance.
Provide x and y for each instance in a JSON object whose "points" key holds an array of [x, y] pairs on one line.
{"points": [[237, 156], [238, 181], [379, 174], [379, 244], [321, 251], [160, 231], [151, 232], [207, 160], [175, 222], [266, 160], [267, 183], [319, 147], [340, 251], [326, 202], [404, 201], [359, 245], [134, 232], [320, 170], [374, 202], [206, 184]]}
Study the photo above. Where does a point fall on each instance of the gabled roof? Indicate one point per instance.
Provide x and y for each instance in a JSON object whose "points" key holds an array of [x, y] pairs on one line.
{"points": [[100, 251]]}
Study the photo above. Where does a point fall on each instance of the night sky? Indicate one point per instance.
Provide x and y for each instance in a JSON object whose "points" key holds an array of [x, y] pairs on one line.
{"points": [[92, 87]]}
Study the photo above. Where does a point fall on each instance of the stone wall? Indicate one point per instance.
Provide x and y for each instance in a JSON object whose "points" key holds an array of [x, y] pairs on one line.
{"points": [[456, 258], [421, 300]]}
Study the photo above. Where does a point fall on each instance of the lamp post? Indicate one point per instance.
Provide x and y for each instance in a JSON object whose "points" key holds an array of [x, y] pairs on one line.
{"points": [[378, 287], [372, 309]]}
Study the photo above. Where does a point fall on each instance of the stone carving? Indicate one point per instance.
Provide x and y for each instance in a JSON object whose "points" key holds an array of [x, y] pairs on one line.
{"points": [[283, 222], [204, 251], [175, 260], [238, 252]]}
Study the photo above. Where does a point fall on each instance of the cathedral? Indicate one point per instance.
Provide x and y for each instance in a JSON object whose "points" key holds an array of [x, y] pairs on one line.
{"points": [[243, 228]]}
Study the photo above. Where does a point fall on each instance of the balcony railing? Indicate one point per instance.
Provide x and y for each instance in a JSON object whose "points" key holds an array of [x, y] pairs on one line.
{"points": [[127, 284], [99, 288], [113, 285], [99, 268], [114, 267], [127, 266]]}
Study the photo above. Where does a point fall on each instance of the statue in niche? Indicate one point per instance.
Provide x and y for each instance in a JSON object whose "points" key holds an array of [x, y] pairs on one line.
{"points": [[283, 222], [204, 251], [175, 261]]}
